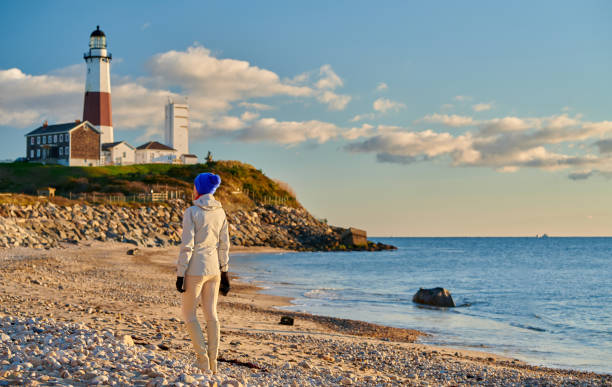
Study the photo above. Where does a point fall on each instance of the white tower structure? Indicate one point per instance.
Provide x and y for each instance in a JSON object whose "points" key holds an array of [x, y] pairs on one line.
{"points": [[97, 108], [177, 127]]}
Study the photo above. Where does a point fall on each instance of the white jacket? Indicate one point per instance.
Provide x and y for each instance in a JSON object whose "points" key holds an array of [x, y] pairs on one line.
{"points": [[205, 240]]}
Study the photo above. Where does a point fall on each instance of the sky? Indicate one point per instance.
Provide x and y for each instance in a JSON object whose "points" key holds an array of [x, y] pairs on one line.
{"points": [[402, 118]]}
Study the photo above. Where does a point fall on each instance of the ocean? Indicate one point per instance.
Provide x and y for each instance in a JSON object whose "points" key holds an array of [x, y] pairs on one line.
{"points": [[547, 301]]}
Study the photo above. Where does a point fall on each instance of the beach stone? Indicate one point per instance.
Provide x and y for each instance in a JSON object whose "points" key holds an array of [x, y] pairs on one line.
{"points": [[187, 379], [127, 340], [305, 364], [100, 379], [434, 297], [4, 337]]}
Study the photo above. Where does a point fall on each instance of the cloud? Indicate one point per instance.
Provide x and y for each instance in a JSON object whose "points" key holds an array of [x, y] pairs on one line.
{"points": [[145, 25], [255, 106], [453, 120], [329, 79], [507, 124], [334, 101], [381, 86], [605, 146], [580, 175], [383, 105], [288, 132], [136, 106], [462, 98], [481, 107], [249, 116], [408, 147], [561, 121], [505, 144], [27, 100], [291, 133], [213, 85], [447, 106], [365, 130], [361, 117]]}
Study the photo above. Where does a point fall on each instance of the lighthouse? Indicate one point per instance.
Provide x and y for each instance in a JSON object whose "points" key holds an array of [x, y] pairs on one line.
{"points": [[97, 107]]}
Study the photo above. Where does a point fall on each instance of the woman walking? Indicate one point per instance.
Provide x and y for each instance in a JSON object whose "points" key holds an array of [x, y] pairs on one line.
{"points": [[202, 267]]}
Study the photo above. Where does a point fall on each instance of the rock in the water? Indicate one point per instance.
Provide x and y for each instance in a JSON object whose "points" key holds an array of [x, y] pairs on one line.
{"points": [[286, 320], [434, 297]]}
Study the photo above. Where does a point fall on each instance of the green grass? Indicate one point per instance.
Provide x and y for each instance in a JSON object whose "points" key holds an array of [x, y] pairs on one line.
{"points": [[131, 179]]}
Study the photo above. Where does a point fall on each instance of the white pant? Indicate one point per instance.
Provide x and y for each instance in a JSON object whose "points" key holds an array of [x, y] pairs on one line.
{"points": [[206, 290]]}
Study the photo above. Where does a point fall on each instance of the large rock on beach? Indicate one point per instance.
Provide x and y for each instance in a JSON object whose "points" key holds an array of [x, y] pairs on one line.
{"points": [[434, 297]]}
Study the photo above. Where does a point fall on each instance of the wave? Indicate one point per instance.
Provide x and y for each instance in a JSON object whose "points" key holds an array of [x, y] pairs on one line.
{"points": [[529, 327], [322, 294]]}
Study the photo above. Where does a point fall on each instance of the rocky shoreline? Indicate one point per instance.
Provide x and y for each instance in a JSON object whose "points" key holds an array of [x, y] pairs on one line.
{"points": [[45, 224]]}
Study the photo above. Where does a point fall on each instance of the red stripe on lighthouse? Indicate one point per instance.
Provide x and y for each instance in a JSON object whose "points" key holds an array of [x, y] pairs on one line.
{"points": [[97, 108]]}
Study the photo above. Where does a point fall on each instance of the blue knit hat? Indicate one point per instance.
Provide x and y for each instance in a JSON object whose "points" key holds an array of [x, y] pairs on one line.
{"points": [[207, 183]]}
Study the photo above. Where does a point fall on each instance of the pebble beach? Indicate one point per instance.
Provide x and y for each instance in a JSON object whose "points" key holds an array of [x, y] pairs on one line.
{"points": [[91, 314]]}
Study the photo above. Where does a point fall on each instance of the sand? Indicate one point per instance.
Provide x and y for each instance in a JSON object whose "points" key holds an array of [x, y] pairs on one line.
{"points": [[111, 295]]}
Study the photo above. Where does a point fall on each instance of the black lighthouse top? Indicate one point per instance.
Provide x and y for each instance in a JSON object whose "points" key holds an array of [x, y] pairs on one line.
{"points": [[98, 32], [97, 39]]}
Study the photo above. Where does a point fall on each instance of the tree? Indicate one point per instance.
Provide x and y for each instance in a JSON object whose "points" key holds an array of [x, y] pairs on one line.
{"points": [[209, 157]]}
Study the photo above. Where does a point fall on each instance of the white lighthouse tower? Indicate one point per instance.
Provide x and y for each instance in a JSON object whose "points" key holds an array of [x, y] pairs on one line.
{"points": [[177, 126], [97, 108]]}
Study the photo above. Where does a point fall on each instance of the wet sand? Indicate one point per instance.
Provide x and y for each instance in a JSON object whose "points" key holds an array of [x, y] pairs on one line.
{"points": [[100, 286]]}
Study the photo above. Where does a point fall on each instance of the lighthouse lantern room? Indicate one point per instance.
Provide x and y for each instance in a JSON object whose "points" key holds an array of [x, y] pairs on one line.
{"points": [[97, 108]]}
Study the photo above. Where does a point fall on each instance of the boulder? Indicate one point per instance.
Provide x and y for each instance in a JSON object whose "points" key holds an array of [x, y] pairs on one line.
{"points": [[286, 320], [434, 297]]}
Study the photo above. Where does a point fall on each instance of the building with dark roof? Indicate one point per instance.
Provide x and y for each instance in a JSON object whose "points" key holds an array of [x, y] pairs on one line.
{"points": [[72, 144], [188, 158], [155, 152], [118, 153]]}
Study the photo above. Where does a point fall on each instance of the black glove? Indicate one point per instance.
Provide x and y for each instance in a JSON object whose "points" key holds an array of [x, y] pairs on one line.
{"points": [[224, 286], [179, 284]]}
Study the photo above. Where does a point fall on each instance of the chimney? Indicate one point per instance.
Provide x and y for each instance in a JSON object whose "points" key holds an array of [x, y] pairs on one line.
{"points": [[77, 121], [45, 124]]}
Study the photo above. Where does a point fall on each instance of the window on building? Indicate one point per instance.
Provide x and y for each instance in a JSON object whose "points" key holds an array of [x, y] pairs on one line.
{"points": [[61, 137], [67, 138], [44, 139], [50, 138], [124, 155], [66, 151], [38, 140], [32, 152], [55, 138], [38, 152], [61, 151], [31, 140]]}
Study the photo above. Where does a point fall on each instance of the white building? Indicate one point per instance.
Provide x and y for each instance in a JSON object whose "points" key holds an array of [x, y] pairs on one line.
{"points": [[155, 152], [177, 127], [189, 159], [118, 153]]}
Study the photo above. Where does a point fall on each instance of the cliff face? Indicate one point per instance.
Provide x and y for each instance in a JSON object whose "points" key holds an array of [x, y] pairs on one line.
{"points": [[44, 224]]}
